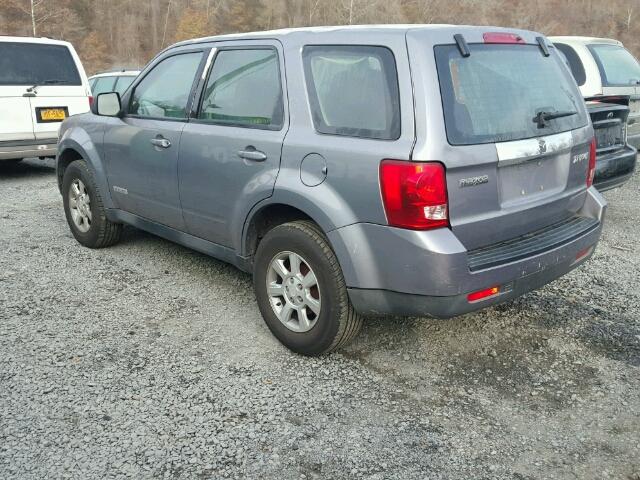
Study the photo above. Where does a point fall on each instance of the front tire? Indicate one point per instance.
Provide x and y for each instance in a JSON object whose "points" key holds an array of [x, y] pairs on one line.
{"points": [[84, 210], [301, 291]]}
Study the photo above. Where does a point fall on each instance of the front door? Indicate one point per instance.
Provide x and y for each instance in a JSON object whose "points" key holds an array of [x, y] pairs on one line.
{"points": [[141, 148], [230, 153]]}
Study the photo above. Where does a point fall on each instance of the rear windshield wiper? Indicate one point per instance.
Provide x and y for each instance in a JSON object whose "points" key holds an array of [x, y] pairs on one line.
{"points": [[54, 81], [541, 118]]}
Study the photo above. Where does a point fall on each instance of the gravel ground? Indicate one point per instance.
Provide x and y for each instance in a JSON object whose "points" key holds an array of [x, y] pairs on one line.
{"points": [[149, 360]]}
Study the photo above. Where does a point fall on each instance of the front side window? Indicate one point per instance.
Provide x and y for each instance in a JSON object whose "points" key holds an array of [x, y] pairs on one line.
{"points": [[500, 92], [164, 91], [617, 66], [31, 64], [244, 89], [102, 85], [353, 91]]}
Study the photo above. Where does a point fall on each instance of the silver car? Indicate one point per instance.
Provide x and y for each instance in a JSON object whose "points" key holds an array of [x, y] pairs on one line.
{"points": [[409, 170]]}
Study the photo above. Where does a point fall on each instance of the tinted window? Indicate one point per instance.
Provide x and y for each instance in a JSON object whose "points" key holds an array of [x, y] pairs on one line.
{"points": [[164, 91], [353, 90], [574, 62], [244, 89], [37, 64], [617, 66], [102, 85], [494, 94], [123, 83]]}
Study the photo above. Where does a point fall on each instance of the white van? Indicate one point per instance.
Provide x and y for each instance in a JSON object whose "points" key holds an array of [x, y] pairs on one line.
{"points": [[42, 82]]}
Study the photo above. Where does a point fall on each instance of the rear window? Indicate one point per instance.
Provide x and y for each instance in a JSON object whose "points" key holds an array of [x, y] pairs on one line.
{"points": [[103, 85], [37, 64], [123, 83], [494, 94], [617, 66], [353, 91]]}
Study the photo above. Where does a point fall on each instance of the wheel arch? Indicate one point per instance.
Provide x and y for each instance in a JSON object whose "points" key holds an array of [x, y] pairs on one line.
{"points": [[77, 145]]}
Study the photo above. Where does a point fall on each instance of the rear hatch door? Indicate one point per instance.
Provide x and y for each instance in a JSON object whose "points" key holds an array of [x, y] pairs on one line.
{"points": [[46, 84], [16, 122], [511, 128]]}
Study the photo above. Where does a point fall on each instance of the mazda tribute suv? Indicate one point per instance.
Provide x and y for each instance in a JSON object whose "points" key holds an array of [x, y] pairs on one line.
{"points": [[405, 170]]}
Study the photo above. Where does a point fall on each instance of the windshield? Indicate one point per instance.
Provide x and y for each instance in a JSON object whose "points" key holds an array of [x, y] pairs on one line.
{"points": [[617, 66], [506, 92], [37, 64]]}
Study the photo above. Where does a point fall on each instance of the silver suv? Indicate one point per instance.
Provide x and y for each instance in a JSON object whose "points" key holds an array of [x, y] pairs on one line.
{"points": [[421, 170]]}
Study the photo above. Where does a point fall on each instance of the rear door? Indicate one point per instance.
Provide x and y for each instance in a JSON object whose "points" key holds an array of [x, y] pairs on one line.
{"points": [[511, 167], [230, 152]]}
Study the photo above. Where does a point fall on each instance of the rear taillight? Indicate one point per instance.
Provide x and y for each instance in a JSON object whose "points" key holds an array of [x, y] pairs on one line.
{"points": [[90, 101], [592, 163], [502, 37], [414, 194]]}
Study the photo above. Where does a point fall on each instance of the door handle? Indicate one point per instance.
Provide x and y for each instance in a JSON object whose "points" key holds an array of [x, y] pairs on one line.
{"points": [[251, 153], [160, 142]]}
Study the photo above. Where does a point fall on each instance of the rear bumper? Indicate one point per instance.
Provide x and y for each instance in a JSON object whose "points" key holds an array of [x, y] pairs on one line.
{"points": [[614, 169], [28, 148], [401, 272], [634, 141]]}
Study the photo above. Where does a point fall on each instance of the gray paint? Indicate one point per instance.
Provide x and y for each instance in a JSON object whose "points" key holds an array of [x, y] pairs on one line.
{"points": [[200, 193]]}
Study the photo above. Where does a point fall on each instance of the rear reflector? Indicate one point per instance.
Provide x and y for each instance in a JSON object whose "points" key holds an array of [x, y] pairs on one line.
{"points": [[502, 37], [583, 253], [482, 294]]}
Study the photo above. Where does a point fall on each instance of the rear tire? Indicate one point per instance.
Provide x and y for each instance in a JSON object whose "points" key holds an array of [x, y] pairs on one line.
{"points": [[297, 277], [84, 210]]}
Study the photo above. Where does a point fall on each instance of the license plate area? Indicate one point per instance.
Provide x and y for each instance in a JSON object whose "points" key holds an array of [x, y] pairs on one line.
{"points": [[51, 114], [533, 179], [609, 136], [532, 169]]}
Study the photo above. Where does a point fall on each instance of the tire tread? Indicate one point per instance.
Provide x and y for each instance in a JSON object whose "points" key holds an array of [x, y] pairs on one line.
{"points": [[352, 322]]}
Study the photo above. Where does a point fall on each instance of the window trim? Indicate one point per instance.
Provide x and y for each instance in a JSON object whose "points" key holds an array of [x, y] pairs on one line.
{"points": [[581, 73], [199, 98], [601, 70], [194, 86], [312, 94]]}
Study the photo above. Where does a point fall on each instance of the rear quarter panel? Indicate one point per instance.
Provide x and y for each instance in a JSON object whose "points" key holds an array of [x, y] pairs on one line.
{"points": [[350, 193]]}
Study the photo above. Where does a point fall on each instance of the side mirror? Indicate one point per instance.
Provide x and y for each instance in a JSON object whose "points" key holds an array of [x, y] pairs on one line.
{"points": [[108, 104]]}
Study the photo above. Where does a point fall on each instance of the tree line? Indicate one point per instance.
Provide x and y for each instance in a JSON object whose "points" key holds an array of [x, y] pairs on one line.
{"points": [[128, 33]]}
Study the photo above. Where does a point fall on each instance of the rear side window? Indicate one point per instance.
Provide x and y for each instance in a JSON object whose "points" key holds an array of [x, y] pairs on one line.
{"points": [[574, 62], [353, 91], [37, 64], [164, 91], [617, 66], [123, 83], [496, 93], [102, 85], [244, 89]]}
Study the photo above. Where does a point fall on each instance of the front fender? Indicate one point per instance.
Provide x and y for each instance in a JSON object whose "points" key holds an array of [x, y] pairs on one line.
{"points": [[86, 140]]}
